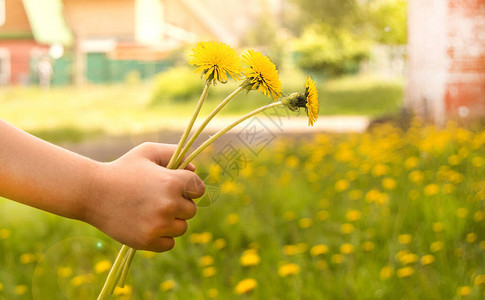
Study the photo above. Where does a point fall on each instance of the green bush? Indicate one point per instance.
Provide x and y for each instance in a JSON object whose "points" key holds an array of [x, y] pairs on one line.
{"points": [[330, 51], [176, 84]]}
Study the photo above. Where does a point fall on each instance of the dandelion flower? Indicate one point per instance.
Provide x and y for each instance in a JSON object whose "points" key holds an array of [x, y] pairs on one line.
{"points": [[288, 269], [167, 285], [311, 95], [245, 286], [215, 60], [261, 74]]}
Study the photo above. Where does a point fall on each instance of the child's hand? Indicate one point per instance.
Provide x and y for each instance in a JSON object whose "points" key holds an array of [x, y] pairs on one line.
{"points": [[139, 202]]}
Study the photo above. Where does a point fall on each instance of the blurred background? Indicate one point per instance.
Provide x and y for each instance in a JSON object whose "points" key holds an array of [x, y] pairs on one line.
{"points": [[382, 198]]}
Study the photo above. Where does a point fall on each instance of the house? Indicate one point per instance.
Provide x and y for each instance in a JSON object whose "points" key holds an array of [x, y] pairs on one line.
{"points": [[446, 59], [104, 40]]}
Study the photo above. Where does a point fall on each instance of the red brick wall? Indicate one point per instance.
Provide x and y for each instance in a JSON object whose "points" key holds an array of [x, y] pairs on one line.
{"points": [[20, 52], [465, 89]]}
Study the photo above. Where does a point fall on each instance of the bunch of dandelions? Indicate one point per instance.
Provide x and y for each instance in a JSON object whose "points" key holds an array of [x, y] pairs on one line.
{"points": [[216, 61]]}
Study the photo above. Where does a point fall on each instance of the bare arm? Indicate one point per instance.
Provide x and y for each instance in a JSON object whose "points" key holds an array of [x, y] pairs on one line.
{"points": [[133, 199]]}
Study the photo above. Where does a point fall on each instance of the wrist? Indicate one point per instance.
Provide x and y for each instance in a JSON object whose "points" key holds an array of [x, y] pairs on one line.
{"points": [[89, 200]]}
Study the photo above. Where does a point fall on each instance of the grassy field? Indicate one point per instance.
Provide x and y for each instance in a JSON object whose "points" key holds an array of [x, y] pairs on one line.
{"points": [[387, 214], [74, 113]]}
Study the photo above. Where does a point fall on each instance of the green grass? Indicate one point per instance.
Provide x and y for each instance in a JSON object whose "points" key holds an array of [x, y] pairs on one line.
{"points": [[399, 215], [127, 109]]}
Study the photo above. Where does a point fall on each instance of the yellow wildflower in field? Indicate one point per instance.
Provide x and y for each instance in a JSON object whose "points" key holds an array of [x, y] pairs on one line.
{"points": [[213, 293], [200, 238], [311, 95], [249, 258], [479, 280], [479, 216], [347, 228], [123, 291], [288, 269], [304, 223], [206, 260], [464, 291], [380, 170], [215, 60], [64, 272], [478, 162], [347, 248], [389, 183], [319, 250], [409, 258], [4, 234], [404, 239], [453, 160], [289, 215], [404, 272], [438, 227], [341, 185], [82, 279], [431, 189], [411, 162], [232, 218], [427, 259], [353, 215], [209, 272], [262, 74], [368, 246], [295, 249], [337, 259], [245, 286], [462, 212], [27, 258], [416, 176], [20, 289], [471, 237], [386, 272], [167, 285], [220, 243], [323, 215], [102, 266]]}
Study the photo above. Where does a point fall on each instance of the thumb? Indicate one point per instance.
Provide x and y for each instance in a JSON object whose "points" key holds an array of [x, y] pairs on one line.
{"points": [[161, 153]]}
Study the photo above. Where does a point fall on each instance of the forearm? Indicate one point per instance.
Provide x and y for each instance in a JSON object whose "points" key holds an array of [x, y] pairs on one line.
{"points": [[43, 175]]}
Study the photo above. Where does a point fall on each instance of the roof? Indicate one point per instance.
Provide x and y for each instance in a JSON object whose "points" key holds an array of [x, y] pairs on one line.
{"points": [[47, 21]]}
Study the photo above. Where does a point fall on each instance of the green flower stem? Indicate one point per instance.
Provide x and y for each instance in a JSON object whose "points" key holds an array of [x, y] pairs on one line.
{"points": [[206, 121], [126, 266], [173, 160], [112, 279], [224, 130]]}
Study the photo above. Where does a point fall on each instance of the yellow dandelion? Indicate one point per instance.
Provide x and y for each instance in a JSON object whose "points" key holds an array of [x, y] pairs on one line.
{"points": [[249, 258], [464, 291], [438, 227], [409, 258], [213, 293], [341, 185], [386, 272], [305, 223], [319, 250], [353, 215], [167, 285], [209, 272], [404, 239], [102, 266], [288, 269], [462, 212], [427, 259], [471, 237], [220, 244], [123, 291], [404, 272], [311, 95], [20, 289], [206, 260], [4, 234], [368, 246], [215, 60], [232, 218], [479, 216], [431, 189], [347, 228], [200, 238], [245, 286], [479, 280], [346, 248], [389, 183], [337, 259], [295, 249], [261, 74], [27, 258]]}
